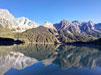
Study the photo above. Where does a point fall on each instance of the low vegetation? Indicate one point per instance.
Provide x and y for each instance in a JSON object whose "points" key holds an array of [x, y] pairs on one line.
{"points": [[44, 35], [37, 35], [66, 37]]}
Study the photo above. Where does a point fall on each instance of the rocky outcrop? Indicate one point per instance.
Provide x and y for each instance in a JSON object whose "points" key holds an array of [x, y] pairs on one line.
{"points": [[85, 28], [49, 25], [66, 25]]}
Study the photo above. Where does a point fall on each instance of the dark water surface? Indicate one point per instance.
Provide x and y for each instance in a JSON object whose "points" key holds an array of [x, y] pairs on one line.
{"points": [[34, 59]]}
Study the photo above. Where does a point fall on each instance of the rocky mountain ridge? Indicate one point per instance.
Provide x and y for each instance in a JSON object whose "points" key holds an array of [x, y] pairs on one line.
{"points": [[86, 28], [22, 24], [25, 23]]}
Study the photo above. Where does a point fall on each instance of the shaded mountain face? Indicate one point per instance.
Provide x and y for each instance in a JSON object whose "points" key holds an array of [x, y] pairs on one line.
{"points": [[77, 23], [84, 28], [98, 26], [88, 29], [87, 26], [66, 25], [7, 20]]}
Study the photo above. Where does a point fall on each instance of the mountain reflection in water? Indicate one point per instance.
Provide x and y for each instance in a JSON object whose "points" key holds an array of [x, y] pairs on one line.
{"points": [[18, 58]]}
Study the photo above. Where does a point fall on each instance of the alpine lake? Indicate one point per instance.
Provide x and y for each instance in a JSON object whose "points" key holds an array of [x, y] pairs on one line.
{"points": [[49, 59]]}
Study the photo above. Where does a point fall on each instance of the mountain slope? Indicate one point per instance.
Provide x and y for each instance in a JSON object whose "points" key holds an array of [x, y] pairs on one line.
{"points": [[66, 25], [49, 25], [37, 35], [7, 20], [25, 23], [64, 32], [98, 26], [66, 37], [96, 42], [85, 28]]}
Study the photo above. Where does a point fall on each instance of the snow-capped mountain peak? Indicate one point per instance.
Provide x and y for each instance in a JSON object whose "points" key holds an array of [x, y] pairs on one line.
{"points": [[25, 23], [19, 24]]}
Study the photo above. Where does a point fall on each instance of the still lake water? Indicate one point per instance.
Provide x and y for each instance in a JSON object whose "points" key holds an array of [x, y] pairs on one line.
{"points": [[28, 59]]}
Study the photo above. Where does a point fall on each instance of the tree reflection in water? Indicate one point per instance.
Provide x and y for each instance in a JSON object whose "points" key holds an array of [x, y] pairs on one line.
{"points": [[66, 56]]}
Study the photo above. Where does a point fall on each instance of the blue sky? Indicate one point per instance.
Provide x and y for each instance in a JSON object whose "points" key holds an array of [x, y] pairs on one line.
{"points": [[54, 10]]}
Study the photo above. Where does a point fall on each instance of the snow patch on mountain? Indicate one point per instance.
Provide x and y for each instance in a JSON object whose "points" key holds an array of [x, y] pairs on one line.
{"points": [[7, 20], [25, 23], [49, 25]]}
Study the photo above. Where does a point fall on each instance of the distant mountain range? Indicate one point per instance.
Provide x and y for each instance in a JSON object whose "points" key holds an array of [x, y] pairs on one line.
{"points": [[85, 28], [65, 30]]}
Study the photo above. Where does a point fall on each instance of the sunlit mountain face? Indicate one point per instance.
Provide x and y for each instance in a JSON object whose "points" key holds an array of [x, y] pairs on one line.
{"points": [[28, 48], [50, 37], [22, 24], [64, 32], [31, 58]]}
